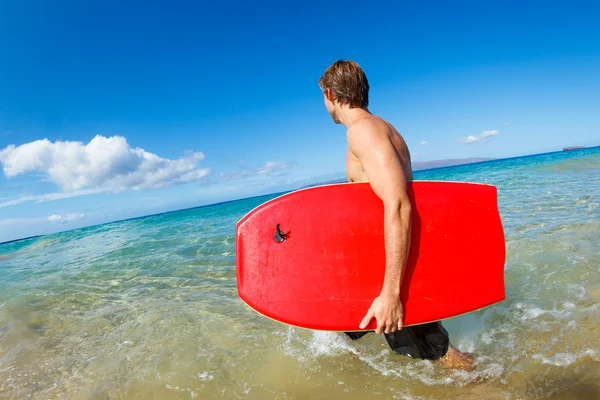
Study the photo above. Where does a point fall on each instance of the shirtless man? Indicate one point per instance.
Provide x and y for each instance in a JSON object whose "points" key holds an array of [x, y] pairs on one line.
{"points": [[377, 153]]}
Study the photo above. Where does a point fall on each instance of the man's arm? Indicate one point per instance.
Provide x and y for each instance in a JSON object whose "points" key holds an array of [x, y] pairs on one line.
{"points": [[368, 139]]}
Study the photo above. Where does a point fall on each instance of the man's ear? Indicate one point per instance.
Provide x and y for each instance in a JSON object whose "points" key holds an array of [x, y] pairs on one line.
{"points": [[329, 95]]}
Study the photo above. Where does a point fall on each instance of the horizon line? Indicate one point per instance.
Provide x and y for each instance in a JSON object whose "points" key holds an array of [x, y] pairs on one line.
{"points": [[291, 190]]}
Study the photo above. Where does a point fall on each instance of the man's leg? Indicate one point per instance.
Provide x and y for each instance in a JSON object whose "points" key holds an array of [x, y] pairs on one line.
{"points": [[427, 341], [357, 335]]}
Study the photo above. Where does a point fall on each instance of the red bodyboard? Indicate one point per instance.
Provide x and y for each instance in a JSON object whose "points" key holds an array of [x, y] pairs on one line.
{"points": [[330, 266]]}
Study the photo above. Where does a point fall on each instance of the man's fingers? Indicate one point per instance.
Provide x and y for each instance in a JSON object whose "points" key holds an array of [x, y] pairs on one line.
{"points": [[380, 327], [366, 319], [389, 327], [392, 327]]}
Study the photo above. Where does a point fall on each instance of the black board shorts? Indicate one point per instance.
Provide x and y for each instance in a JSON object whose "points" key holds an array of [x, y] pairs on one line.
{"points": [[428, 341]]}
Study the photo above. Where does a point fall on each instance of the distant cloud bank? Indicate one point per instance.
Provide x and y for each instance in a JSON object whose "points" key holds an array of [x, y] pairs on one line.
{"points": [[109, 164], [63, 219], [270, 168], [274, 168], [480, 138]]}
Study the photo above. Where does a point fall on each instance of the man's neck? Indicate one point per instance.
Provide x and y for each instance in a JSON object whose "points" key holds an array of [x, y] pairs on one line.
{"points": [[347, 116]]}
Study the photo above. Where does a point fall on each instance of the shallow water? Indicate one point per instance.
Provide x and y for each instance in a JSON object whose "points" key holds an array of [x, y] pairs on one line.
{"points": [[148, 309]]}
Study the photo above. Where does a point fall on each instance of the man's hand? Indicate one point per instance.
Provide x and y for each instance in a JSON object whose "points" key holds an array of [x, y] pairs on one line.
{"points": [[387, 310]]}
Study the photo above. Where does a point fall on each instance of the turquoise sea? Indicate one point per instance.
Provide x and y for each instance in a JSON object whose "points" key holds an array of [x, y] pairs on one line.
{"points": [[148, 308]]}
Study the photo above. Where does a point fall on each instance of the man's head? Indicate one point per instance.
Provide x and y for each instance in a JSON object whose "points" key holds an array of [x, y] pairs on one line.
{"points": [[344, 84]]}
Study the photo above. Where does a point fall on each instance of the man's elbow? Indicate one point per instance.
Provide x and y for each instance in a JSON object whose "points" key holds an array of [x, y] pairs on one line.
{"points": [[406, 208], [400, 207]]}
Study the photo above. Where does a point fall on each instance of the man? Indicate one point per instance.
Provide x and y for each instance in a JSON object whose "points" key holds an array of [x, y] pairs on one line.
{"points": [[377, 153]]}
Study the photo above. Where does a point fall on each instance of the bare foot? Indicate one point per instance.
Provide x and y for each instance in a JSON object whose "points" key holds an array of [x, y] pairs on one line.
{"points": [[455, 359]]}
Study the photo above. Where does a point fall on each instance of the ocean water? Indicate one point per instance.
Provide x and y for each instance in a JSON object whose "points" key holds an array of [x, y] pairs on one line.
{"points": [[148, 308]]}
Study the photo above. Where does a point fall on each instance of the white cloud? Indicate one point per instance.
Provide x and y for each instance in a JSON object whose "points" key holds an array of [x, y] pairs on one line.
{"points": [[104, 164], [49, 197], [424, 143], [270, 168], [507, 124], [63, 219], [480, 138], [273, 168]]}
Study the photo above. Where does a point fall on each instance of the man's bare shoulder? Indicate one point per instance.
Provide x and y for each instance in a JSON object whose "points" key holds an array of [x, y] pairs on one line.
{"points": [[369, 135], [370, 123], [369, 128]]}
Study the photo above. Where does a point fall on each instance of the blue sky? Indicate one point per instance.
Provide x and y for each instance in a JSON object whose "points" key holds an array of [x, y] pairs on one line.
{"points": [[194, 102]]}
